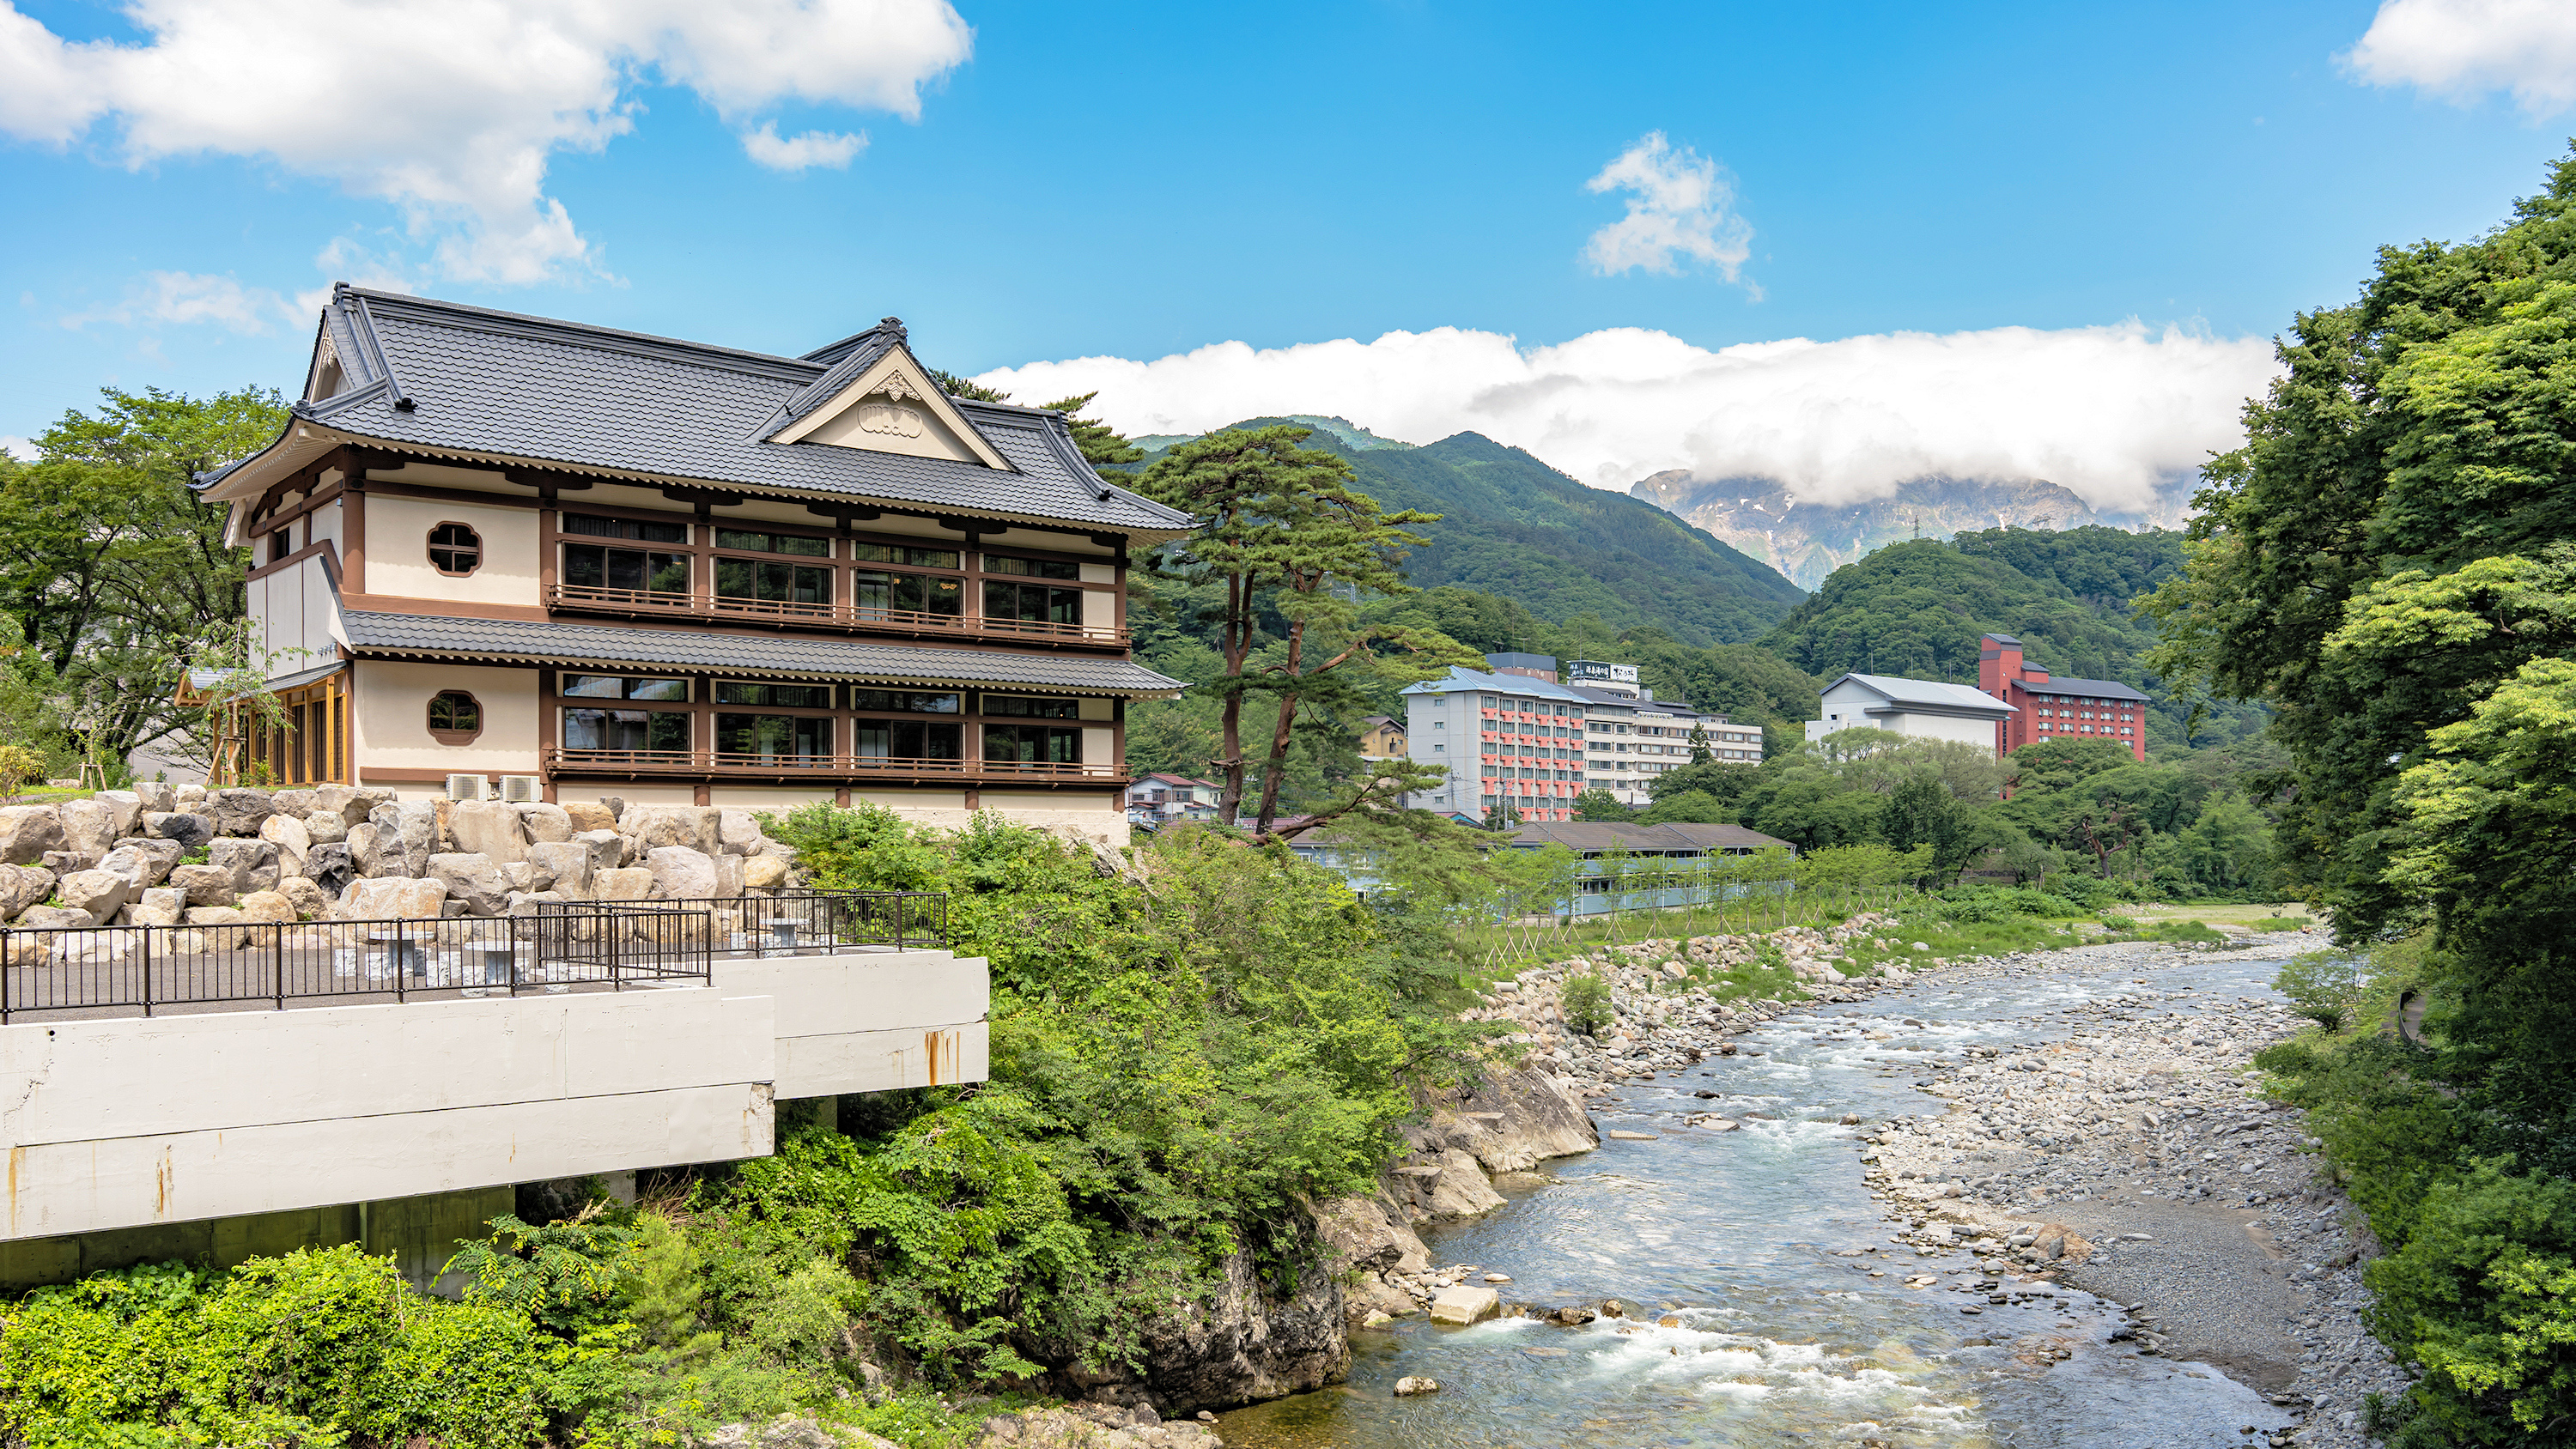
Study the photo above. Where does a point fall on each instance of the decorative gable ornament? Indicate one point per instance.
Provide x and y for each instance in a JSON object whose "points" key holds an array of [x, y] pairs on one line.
{"points": [[899, 422], [892, 408]]}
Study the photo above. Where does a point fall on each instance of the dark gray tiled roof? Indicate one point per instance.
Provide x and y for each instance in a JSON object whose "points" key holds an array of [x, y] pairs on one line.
{"points": [[2100, 688], [803, 657], [498, 383]]}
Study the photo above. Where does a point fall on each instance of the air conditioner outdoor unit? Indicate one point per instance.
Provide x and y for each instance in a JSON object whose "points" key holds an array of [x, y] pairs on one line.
{"points": [[464, 787], [522, 789]]}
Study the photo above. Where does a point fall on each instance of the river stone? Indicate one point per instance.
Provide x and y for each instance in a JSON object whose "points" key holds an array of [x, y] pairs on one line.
{"points": [[190, 831], [206, 885], [487, 828], [239, 811], [1412, 1386], [1464, 1305], [471, 877], [101, 893], [391, 899], [27, 832]]}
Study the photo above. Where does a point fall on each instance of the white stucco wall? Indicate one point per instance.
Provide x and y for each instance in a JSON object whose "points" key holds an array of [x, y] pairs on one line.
{"points": [[392, 709], [1847, 706], [398, 550], [293, 614]]}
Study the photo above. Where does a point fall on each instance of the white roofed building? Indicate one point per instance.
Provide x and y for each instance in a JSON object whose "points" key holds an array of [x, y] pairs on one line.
{"points": [[1924, 708]]}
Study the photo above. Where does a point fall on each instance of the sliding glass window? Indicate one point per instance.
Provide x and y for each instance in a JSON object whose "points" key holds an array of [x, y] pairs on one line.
{"points": [[907, 739], [797, 738], [876, 594], [641, 570], [799, 587]]}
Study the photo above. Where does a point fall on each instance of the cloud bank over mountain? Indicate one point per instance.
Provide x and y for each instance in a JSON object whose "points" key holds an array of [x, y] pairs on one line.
{"points": [[2117, 414]]}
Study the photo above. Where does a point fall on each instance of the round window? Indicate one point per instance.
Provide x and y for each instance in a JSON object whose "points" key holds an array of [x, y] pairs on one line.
{"points": [[455, 549]]}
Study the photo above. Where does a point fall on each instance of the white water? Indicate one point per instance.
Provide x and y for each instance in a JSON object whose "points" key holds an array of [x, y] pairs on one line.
{"points": [[1778, 1341]]}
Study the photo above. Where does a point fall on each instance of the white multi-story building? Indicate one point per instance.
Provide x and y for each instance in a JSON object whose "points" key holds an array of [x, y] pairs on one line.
{"points": [[1516, 737], [1630, 737], [1920, 707]]}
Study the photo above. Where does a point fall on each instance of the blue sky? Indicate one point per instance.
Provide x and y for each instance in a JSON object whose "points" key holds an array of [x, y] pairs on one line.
{"points": [[1046, 182]]}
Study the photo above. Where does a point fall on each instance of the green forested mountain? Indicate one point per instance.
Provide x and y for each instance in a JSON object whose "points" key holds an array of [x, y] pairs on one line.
{"points": [[1917, 609], [1511, 525]]}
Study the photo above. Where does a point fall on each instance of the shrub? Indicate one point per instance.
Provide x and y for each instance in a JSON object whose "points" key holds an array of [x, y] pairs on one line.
{"points": [[1586, 1001], [2483, 1297], [2324, 986]]}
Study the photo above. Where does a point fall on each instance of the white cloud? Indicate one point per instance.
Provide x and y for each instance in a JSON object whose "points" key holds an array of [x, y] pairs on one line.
{"points": [[2114, 413], [183, 298], [1680, 210], [2462, 49], [806, 148], [452, 109], [21, 449]]}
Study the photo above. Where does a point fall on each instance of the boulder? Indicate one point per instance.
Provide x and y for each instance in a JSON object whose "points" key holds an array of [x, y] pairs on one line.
{"points": [[239, 811], [55, 918], [406, 836], [268, 907], [125, 807], [27, 832], [328, 867], [22, 886], [471, 877], [519, 874], [101, 893], [206, 885], [545, 824], [1414, 1385], [292, 840], [325, 827], [144, 863], [681, 873], [589, 815], [161, 906], [154, 795], [351, 804], [1463, 1305], [607, 848], [293, 802], [532, 903], [391, 899], [624, 883], [728, 877], [563, 868], [764, 873], [1369, 1235], [190, 831], [217, 928], [253, 863], [737, 832], [365, 851], [310, 900], [487, 828], [64, 862], [652, 827], [88, 827], [189, 797]]}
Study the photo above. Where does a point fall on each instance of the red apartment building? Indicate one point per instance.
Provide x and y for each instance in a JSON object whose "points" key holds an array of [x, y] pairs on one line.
{"points": [[2046, 708]]}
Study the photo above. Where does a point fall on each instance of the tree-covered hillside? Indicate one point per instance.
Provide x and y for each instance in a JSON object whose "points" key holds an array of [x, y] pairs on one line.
{"points": [[1511, 525], [1918, 608]]}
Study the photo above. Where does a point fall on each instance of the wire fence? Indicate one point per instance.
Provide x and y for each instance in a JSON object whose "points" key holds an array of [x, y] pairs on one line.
{"points": [[559, 947]]}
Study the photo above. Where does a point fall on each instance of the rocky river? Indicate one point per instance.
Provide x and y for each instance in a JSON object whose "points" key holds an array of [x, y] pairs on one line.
{"points": [[2014, 1202]]}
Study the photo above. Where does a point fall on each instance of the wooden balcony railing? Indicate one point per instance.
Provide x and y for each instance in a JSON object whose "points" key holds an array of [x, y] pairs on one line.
{"points": [[651, 603], [565, 760]]}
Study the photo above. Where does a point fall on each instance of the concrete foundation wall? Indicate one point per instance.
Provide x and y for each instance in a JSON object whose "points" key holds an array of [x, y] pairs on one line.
{"points": [[871, 1023], [133, 1123], [419, 1233]]}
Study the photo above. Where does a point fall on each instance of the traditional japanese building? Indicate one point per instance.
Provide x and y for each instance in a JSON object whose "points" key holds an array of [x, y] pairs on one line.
{"points": [[2048, 708], [563, 562]]}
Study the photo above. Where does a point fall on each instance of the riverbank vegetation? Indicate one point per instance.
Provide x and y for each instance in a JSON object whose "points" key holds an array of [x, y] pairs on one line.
{"points": [[1187, 1047], [2390, 564]]}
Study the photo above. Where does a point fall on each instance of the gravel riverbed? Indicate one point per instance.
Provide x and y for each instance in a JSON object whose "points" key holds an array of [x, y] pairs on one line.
{"points": [[2119, 1149]]}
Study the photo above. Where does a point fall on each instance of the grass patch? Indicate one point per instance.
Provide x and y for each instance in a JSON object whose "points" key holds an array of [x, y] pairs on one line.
{"points": [[2279, 923]]}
